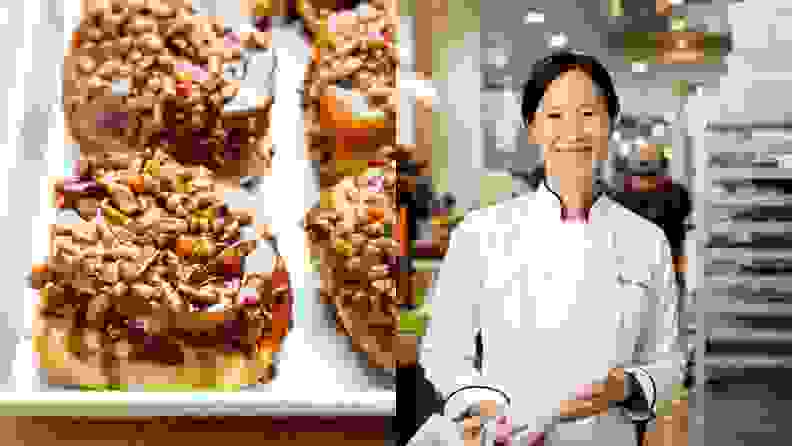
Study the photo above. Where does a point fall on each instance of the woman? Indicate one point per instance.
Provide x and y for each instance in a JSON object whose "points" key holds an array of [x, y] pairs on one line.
{"points": [[564, 286]]}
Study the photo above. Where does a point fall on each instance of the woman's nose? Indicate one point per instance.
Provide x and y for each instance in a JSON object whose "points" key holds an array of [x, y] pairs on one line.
{"points": [[574, 130]]}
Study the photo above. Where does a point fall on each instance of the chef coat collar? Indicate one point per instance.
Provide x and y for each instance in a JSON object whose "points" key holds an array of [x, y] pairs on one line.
{"points": [[547, 193]]}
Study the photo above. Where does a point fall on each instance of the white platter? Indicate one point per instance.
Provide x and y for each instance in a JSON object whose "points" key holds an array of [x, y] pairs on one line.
{"points": [[318, 372]]}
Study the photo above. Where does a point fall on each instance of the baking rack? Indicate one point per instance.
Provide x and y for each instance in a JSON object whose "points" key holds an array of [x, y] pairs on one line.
{"points": [[743, 195]]}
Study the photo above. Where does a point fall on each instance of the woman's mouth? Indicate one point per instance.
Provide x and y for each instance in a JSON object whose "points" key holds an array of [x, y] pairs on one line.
{"points": [[581, 149]]}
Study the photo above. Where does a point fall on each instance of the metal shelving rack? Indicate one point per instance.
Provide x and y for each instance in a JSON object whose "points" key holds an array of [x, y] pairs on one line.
{"points": [[742, 311]]}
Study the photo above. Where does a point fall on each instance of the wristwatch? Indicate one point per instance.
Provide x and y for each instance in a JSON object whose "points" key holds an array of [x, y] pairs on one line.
{"points": [[635, 399]]}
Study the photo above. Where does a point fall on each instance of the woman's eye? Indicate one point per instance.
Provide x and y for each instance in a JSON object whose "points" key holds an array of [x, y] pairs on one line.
{"points": [[554, 115], [588, 113]]}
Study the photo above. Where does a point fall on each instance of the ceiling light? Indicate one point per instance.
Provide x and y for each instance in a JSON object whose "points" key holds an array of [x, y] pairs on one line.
{"points": [[534, 17], [558, 40]]}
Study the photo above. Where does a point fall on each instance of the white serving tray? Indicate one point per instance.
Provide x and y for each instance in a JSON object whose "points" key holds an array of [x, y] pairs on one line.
{"points": [[318, 372]]}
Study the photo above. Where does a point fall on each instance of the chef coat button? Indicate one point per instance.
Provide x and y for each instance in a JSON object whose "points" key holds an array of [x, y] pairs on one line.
{"points": [[548, 275]]}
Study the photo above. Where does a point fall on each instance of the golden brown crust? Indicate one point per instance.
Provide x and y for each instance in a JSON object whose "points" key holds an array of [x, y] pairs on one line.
{"points": [[201, 368]]}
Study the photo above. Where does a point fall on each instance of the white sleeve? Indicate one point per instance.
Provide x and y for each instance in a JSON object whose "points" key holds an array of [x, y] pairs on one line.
{"points": [[660, 360], [449, 345]]}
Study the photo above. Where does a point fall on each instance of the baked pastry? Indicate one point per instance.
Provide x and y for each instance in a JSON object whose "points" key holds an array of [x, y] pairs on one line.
{"points": [[150, 285], [351, 114], [141, 74], [352, 234]]}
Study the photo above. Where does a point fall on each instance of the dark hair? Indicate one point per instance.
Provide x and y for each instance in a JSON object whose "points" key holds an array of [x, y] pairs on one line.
{"points": [[552, 67]]}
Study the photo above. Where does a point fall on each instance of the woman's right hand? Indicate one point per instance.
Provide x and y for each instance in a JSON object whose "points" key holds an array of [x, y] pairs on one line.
{"points": [[594, 399], [583, 408], [590, 400]]}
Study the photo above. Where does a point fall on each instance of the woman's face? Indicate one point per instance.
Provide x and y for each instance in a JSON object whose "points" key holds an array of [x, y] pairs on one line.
{"points": [[572, 126]]}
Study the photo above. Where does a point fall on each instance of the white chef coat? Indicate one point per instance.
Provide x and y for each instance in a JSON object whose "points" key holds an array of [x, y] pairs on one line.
{"points": [[556, 302]]}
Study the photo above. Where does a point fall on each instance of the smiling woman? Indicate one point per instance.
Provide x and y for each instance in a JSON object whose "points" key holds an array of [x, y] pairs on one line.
{"points": [[585, 265], [568, 107]]}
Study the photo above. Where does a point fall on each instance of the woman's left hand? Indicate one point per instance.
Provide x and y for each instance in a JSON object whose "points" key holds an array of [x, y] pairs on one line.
{"points": [[593, 399]]}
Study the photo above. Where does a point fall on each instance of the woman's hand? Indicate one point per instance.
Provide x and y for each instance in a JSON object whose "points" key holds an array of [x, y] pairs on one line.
{"points": [[503, 430], [594, 399], [582, 408], [472, 431], [472, 424]]}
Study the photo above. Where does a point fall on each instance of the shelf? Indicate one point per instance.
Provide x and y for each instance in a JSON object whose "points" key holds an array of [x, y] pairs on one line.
{"points": [[749, 173], [779, 128], [757, 227], [749, 254], [762, 143], [749, 309], [745, 362], [758, 161], [781, 282], [746, 202], [746, 213], [749, 293], [748, 335]]}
